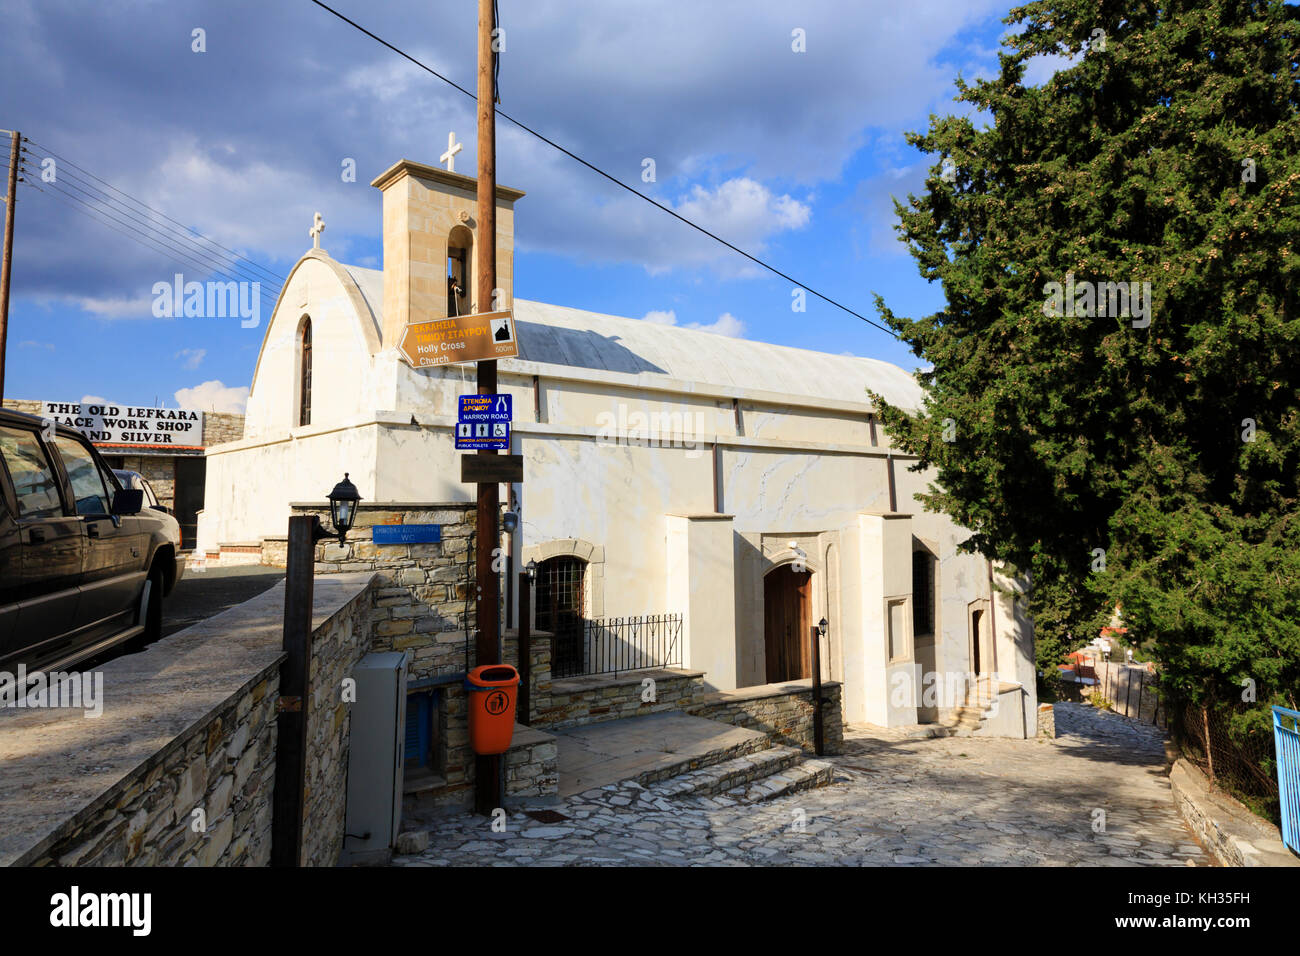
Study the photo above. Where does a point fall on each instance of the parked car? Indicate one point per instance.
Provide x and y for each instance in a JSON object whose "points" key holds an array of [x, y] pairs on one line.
{"points": [[133, 479], [84, 566]]}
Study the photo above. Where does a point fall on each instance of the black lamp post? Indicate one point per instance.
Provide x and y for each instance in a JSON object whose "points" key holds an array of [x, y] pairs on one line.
{"points": [[343, 512], [819, 734], [525, 706]]}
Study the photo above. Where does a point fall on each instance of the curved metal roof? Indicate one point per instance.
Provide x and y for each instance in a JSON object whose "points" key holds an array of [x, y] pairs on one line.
{"points": [[556, 335], [574, 338]]}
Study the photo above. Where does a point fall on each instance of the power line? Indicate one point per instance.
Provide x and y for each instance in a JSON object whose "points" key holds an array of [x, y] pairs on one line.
{"points": [[205, 259], [190, 232], [171, 233], [150, 242], [601, 172]]}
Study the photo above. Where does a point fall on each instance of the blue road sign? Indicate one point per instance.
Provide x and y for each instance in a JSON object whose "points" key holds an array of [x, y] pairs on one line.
{"points": [[479, 436], [407, 533], [484, 408]]}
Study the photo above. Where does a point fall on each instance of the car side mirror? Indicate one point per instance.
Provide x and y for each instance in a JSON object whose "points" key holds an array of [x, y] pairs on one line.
{"points": [[128, 501]]}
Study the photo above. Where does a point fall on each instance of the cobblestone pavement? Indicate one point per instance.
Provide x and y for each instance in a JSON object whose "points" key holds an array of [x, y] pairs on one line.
{"points": [[1096, 796]]}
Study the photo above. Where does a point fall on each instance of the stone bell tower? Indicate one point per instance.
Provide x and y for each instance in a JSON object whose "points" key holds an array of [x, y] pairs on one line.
{"points": [[429, 236]]}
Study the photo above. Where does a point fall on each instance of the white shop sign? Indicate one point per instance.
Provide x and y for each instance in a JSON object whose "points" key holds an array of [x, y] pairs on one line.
{"points": [[111, 424]]}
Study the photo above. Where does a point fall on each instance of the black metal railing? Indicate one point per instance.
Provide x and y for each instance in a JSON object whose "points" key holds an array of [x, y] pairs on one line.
{"points": [[617, 644]]}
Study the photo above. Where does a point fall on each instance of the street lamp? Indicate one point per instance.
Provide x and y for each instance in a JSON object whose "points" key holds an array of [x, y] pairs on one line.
{"points": [[821, 627], [531, 568], [343, 511]]}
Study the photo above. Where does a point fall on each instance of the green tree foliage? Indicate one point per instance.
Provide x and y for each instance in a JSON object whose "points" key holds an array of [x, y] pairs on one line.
{"points": [[1166, 151]]}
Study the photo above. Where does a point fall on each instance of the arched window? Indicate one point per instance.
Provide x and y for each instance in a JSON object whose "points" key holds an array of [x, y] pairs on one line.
{"points": [[460, 271], [561, 609], [923, 567], [304, 380]]}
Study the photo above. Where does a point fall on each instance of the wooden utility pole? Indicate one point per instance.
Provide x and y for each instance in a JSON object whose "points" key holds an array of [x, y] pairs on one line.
{"points": [[289, 796], [6, 265], [487, 769]]}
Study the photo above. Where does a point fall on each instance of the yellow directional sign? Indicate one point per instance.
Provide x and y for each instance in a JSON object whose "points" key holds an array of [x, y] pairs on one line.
{"points": [[460, 338]]}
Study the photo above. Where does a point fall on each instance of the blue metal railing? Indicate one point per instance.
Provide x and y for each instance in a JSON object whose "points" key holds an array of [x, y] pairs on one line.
{"points": [[1286, 736]]}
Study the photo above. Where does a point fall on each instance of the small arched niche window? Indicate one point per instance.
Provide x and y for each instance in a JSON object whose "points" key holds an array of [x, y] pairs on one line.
{"points": [[304, 372], [923, 592], [460, 270]]}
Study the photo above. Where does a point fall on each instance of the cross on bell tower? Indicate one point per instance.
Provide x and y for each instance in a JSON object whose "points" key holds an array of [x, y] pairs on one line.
{"points": [[453, 148], [317, 227]]}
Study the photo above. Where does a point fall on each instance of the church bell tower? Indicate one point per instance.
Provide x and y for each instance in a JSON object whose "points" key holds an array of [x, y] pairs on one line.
{"points": [[429, 236]]}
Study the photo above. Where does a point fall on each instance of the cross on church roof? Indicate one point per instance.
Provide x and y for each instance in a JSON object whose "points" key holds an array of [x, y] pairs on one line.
{"points": [[317, 227], [453, 148]]}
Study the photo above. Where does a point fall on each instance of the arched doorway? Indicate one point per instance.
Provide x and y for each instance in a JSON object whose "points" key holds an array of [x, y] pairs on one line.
{"points": [[561, 609], [787, 616]]}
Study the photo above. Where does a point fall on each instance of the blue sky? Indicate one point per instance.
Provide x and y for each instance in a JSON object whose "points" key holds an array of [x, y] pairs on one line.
{"points": [[791, 156]]}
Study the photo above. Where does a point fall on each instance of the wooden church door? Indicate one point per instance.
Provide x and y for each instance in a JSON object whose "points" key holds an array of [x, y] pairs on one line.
{"points": [[787, 608]]}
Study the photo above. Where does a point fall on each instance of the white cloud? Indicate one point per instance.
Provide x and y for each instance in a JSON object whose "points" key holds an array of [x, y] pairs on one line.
{"points": [[33, 344], [94, 400], [741, 210], [213, 396], [116, 307], [1039, 69], [726, 324], [190, 358]]}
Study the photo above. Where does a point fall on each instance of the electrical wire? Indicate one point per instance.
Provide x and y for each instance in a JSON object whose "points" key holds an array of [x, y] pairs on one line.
{"points": [[196, 255], [600, 172], [192, 233], [148, 242]]}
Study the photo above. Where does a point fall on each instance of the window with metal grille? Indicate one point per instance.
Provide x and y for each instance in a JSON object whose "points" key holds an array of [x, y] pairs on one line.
{"points": [[560, 597], [922, 593], [304, 385]]}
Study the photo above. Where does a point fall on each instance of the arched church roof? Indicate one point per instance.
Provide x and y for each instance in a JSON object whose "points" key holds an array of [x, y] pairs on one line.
{"points": [[558, 335]]}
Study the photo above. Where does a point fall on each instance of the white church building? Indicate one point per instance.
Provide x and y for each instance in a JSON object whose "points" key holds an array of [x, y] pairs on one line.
{"points": [[744, 486]]}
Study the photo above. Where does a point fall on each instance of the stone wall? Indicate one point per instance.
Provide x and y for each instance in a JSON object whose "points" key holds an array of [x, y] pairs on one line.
{"points": [[784, 711], [589, 699], [1232, 834], [180, 766], [220, 427], [338, 644], [1047, 721], [204, 800], [422, 599]]}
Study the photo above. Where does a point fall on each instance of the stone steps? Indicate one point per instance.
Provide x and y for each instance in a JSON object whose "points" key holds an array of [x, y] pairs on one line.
{"points": [[730, 774], [807, 774], [694, 763]]}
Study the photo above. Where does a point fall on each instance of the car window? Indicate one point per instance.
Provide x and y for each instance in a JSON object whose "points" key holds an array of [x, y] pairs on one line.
{"points": [[35, 485], [83, 474], [150, 498], [111, 482]]}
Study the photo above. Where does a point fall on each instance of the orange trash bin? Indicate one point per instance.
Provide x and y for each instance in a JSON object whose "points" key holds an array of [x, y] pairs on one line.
{"points": [[491, 690]]}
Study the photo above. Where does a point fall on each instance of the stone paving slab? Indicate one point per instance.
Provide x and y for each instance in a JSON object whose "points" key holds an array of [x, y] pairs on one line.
{"points": [[1098, 795], [609, 751]]}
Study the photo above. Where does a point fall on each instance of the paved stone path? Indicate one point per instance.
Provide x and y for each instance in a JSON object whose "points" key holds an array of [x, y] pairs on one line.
{"points": [[1098, 795]]}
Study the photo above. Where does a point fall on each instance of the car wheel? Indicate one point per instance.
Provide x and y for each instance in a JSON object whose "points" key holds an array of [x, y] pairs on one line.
{"points": [[151, 612]]}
